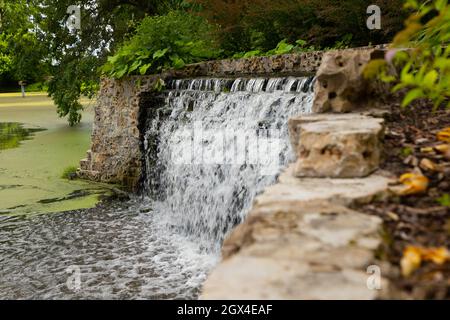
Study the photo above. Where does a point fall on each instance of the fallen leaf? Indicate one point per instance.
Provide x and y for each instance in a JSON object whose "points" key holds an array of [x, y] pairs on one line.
{"points": [[427, 150], [414, 183], [393, 215], [413, 257], [444, 135], [427, 164], [442, 148], [411, 260], [411, 160], [436, 255]]}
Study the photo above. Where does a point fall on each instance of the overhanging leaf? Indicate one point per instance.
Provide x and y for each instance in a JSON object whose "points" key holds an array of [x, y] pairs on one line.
{"points": [[412, 95]]}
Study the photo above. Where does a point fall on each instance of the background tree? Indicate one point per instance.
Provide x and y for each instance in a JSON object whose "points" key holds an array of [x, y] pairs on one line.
{"points": [[22, 55], [35, 43], [261, 24]]}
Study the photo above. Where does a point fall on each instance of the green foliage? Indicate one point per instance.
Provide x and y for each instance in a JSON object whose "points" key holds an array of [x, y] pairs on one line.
{"points": [[163, 42], [22, 55], [37, 87], [159, 85], [283, 47], [406, 151], [39, 45], [248, 25], [425, 67], [69, 173], [444, 200]]}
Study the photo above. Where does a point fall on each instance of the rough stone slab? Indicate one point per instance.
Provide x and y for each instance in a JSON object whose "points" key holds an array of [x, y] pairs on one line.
{"points": [[259, 278], [88, 174], [340, 83], [311, 226], [295, 122], [339, 191], [339, 147], [311, 251], [285, 251]]}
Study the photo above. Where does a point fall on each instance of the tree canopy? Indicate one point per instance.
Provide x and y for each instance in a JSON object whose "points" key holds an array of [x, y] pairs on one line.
{"points": [[36, 45]]}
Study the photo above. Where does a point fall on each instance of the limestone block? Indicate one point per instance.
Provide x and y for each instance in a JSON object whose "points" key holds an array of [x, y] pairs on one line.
{"points": [[313, 226], [298, 191], [340, 83], [339, 148], [294, 123], [263, 278], [317, 250]]}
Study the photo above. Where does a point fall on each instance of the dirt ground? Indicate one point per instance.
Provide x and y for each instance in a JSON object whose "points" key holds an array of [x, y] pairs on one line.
{"points": [[420, 219]]}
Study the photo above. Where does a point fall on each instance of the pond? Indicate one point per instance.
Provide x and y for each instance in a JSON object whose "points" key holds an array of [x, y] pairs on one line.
{"points": [[12, 133], [35, 148]]}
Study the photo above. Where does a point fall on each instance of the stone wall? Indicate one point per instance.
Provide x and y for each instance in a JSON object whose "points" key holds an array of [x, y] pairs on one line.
{"points": [[115, 155]]}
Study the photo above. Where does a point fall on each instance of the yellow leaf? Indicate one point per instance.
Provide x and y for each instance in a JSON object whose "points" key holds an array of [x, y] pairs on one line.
{"points": [[427, 150], [436, 255], [411, 260], [413, 257], [414, 183], [444, 135]]}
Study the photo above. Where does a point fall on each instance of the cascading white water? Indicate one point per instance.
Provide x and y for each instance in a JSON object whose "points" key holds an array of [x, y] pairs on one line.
{"points": [[221, 141], [211, 146]]}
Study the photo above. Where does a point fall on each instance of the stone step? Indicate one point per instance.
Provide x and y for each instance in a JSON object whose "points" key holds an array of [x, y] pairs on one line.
{"points": [[337, 146], [89, 155], [88, 174], [291, 189], [315, 251], [85, 164]]}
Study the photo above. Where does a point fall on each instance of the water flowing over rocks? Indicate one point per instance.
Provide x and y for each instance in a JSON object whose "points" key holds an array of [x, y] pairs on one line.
{"points": [[115, 154], [301, 239]]}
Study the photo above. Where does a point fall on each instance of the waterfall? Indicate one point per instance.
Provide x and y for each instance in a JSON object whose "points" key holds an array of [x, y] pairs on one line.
{"points": [[216, 143], [210, 145]]}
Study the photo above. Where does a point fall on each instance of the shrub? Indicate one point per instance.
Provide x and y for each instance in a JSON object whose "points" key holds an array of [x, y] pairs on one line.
{"points": [[247, 25], [425, 66], [162, 42], [283, 47], [69, 173]]}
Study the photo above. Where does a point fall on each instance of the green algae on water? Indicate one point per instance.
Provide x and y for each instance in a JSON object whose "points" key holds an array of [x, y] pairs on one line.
{"points": [[13, 133]]}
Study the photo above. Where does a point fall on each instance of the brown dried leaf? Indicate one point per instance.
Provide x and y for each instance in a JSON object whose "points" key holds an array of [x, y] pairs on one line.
{"points": [[427, 164], [442, 148]]}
